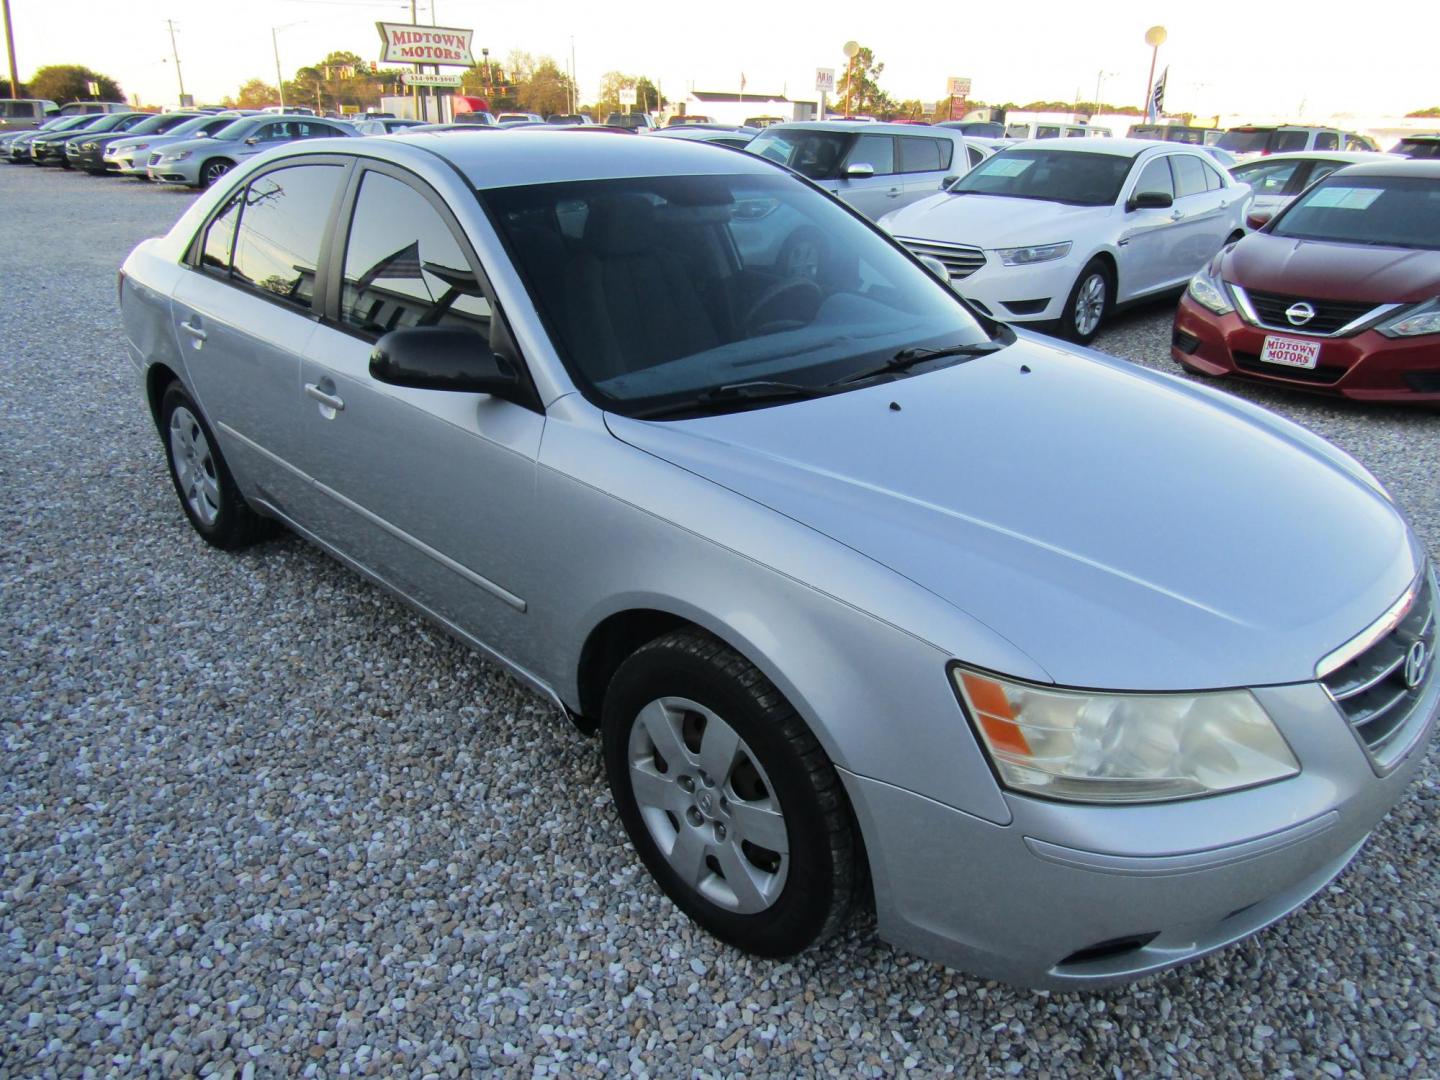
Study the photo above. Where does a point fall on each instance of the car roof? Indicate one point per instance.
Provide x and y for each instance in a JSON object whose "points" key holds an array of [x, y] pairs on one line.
{"points": [[1119, 147], [1319, 155], [859, 127], [1396, 166], [519, 156]]}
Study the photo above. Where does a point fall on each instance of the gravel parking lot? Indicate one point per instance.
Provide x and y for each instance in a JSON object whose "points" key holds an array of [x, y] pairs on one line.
{"points": [[258, 819]]}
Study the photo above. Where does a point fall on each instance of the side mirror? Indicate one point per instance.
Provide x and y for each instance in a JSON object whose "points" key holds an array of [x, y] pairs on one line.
{"points": [[1258, 219], [860, 170], [946, 181], [1150, 200], [252, 140], [443, 358], [936, 267]]}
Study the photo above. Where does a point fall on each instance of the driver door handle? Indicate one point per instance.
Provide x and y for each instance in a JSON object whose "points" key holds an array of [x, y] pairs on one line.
{"points": [[194, 331], [311, 390], [1177, 215]]}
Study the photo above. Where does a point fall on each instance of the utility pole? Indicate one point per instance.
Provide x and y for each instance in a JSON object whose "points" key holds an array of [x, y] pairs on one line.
{"points": [[173, 51], [279, 78], [574, 80], [10, 47]]}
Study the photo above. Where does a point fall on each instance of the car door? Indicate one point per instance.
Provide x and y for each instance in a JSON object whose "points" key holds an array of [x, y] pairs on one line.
{"points": [[245, 310], [1147, 235], [1272, 183], [266, 136], [875, 195], [431, 491], [1205, 220], [925, 163]]}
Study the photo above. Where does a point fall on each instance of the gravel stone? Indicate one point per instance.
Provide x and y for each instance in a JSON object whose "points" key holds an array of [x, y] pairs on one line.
{"points": [[259, 820]]}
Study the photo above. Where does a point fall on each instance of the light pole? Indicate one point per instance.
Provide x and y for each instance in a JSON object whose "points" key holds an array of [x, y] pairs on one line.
{"points": [[1154, 37], [851, 50], [1100, 77], [10, 47]]}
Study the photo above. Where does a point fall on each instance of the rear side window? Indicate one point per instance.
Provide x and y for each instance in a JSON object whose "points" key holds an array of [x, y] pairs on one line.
{"points": [[975, 156], [1156, 178], [874, 150], [403, 266], [922, 155], [1075, 133], [1282, 141], [1189, 175], [282, 221]]}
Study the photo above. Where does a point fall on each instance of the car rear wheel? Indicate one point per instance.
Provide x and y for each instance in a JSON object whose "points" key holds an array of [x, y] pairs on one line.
{"points": [[208, 495], [214, 169], [727, 796], [1089, 303]]}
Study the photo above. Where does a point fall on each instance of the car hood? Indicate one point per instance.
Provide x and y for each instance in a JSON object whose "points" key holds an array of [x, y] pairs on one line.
{"points": [[211, 142], [990, 221], [1121, 528], [1328, 271], [152, 142]]}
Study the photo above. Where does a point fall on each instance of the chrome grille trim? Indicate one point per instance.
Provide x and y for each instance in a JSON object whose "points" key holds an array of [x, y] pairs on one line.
{"points": [[1250, 315], [961, 260], [1367, 678]]}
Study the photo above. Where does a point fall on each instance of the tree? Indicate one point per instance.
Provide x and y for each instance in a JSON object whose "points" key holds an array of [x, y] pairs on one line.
{"points": [[1434, 110], [255, 94], [859, 87], [548, 90], [64, 83]]}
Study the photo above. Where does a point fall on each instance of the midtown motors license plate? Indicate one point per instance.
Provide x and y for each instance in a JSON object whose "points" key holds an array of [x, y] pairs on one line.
{"points": [[1290, 352]]}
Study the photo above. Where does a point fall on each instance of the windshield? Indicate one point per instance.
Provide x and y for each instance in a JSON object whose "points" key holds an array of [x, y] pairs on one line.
{"points": [[193, 126], [236, 129], [816, 154], [1418, 148], [1386, 211], [658, 289], [1075, 177], [159, 124], [1246, 140]]}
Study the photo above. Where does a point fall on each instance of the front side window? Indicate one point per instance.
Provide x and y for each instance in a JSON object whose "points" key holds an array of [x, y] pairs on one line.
{"points": [[1075, 133], [1044, 132], [1246, 140], [403, 266], [1267, 177], [220, 238], [877, 151], [1155, 178], [282, 221], [1189, 175], [1327, 140], [659, 289], [1076, 177], [815, 154], [1285, 141], [1387, 211]]}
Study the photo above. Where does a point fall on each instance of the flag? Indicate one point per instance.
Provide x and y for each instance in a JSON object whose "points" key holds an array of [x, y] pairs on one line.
{"points": [[1157, 96], [404, 263]]}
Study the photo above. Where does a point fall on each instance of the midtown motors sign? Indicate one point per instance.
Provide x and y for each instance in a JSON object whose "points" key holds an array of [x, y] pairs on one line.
{"points": [[407, 44]]}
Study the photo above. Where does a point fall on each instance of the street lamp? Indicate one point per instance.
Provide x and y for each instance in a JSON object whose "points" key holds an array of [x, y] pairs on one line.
{"points": [[1154, 37], [1100, 77], [851, 50]]}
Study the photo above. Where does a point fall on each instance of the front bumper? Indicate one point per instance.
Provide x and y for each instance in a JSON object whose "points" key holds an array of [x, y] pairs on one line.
{"points": [[1366, 367], [126, 162], [1071, 897], [1022, 294], [185, 172], [47, 154]]}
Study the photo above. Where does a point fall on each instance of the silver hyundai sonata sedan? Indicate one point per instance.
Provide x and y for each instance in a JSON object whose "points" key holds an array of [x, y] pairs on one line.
{"points": [[1076, 670]]}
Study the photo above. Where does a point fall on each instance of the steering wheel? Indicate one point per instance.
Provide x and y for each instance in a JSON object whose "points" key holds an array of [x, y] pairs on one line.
{"points": [[788, 290]]}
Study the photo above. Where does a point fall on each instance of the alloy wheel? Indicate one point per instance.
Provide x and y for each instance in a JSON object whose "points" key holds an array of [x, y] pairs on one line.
{"points": [[1090, 304], [214, 171], [708, 805], [194, 466]]}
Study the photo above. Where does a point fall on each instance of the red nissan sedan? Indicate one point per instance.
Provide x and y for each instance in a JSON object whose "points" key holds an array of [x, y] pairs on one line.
{"points": [[1338, 293]]}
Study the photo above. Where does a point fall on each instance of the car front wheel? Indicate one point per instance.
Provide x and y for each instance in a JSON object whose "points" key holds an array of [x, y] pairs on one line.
{"points": [[213, 170], [729, 799], [1089, 303]]}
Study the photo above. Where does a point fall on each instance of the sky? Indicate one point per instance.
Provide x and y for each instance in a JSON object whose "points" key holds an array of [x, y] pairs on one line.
{"points": [[1298, 61]]}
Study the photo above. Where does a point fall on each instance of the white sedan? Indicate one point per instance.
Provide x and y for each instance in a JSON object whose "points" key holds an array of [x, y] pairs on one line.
{"points": [[1058, 231], [1276, 179]]}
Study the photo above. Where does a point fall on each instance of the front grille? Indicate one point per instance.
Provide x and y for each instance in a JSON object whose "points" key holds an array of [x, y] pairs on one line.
{"points": [[1330, 315], [961, 260], [154, 159], [1373, 690], [1249, 361]]}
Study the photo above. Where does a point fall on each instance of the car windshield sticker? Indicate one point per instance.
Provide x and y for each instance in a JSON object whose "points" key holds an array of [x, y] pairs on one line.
{"points": [[1008, 166], [1345, 198]]}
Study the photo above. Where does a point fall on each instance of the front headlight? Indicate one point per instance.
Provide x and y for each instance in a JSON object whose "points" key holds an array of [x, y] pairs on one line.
{"points": [[138, 146], [1424, 319], [1207, 291], [1038, 253], [1083, 746], [179, 155], [87, 146]]}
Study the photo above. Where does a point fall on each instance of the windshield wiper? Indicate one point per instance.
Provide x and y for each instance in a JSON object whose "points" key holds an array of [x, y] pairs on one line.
{"points": [[908, 358], [753, 390]]}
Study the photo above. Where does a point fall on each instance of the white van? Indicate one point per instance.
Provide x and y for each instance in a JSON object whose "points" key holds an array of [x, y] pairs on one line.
{"points": [[1044, 129]]}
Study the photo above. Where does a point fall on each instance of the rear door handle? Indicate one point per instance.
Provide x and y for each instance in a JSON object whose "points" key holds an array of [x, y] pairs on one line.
{"points": [[194, 331], [893, 193], [329, 400]]}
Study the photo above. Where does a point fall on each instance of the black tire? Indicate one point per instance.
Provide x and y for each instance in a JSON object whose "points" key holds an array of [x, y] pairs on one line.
{"points": [[213, 170], [1071, 325], [233, 524], [820, 883]]}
